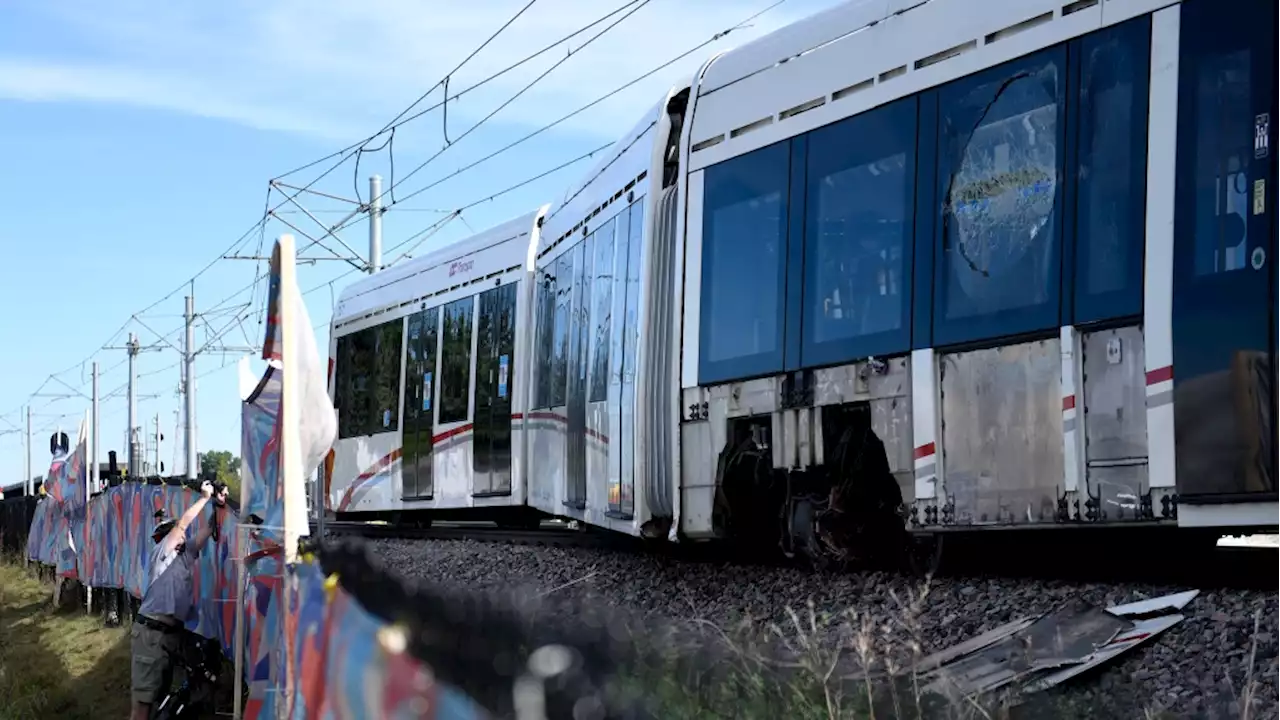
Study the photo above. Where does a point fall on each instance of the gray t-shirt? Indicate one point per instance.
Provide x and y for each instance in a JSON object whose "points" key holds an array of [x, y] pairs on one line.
{"points": [[171, 587]]}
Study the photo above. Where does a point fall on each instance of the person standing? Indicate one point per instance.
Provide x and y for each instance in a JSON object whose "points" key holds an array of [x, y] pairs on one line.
{"points": [[168, 603]]}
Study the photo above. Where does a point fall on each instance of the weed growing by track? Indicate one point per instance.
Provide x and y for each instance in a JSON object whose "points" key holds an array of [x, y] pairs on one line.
{"points": [[820, 666]]}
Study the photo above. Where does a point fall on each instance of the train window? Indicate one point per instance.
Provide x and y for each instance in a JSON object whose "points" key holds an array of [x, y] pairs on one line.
{"points": [[348, 425], [601, 306], [390, 347], [859, 211], [1112, 173], [369, 380], [1000, 157], [618, 307], [430, 372], [413, 381], [560, 329], [455, 365], [360, 379], [744, 250], [583, 255], [543, 345]]}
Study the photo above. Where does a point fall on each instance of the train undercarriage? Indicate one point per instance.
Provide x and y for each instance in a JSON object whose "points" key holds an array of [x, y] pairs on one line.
{"points": [[846, 512]]}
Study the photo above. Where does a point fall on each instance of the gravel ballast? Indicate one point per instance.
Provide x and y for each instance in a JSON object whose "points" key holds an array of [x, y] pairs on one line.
{"points": [[1199, 668]]}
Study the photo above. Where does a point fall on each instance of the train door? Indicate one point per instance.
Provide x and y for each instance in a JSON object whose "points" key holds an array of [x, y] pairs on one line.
{"points": [[495, 358], [576, 397], [623, 503], [419, 414], [1224, 288]]}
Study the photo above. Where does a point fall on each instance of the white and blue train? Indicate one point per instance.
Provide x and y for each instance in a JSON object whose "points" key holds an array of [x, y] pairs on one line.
{"points": [[983, 263]]}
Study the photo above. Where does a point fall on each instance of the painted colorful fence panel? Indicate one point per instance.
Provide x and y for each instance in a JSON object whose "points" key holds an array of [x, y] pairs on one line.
{"points": [[116, 553], [42, 539], [323, 658]]}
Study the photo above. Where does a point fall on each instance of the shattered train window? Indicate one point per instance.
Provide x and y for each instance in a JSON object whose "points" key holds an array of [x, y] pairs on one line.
{"points": [[1001, 155]]}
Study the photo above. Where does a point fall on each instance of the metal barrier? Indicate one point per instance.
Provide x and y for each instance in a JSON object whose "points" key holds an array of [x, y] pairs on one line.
{"points": [[15, 523]]}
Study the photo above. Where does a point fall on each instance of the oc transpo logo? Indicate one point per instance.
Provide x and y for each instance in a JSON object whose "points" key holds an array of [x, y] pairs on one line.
{"points": [[460, 266]]}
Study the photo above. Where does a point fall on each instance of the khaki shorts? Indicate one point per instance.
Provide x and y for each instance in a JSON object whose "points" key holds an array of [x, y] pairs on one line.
{"points": [[152, 662]]}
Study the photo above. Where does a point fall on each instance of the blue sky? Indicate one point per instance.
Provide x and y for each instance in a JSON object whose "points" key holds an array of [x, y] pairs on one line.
{"points": [[137, 140]]}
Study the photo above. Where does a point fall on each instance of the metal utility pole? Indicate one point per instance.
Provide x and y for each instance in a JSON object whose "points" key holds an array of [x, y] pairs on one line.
{"points": [[375, 224], [155, 469], [133, 433], [135, 453], [177, 430], [189, 386], [92, 485], [31, 482]]}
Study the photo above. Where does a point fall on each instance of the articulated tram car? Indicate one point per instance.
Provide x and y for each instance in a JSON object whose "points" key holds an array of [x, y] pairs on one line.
{"points": [[951, 264]]}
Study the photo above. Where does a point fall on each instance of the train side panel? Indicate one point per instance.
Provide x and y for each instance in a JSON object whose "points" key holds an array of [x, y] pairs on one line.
{"points": [[442, 336], [944, 235], [602, 401]]}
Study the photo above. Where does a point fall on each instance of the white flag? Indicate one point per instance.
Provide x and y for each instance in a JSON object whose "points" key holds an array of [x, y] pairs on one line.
{"points": [[316, 417]]}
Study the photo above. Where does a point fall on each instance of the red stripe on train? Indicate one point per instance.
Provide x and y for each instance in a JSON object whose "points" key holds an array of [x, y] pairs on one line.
{"points": [[440, 437], [380, 465], [1159, 375]]}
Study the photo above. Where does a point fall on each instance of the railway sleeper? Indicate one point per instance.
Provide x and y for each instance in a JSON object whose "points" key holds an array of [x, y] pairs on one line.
{"points": [[842, 514]]}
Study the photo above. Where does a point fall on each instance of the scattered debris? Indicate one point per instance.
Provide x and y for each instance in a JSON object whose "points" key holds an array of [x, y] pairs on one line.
{"points": [[1038, 653]]}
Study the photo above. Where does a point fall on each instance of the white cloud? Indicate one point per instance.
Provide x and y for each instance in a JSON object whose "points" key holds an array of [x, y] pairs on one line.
{"points": [[338, 70]]}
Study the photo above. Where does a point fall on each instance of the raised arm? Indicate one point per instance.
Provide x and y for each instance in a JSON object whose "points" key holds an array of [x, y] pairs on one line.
{"points": [[202, 535], [179, 531]]}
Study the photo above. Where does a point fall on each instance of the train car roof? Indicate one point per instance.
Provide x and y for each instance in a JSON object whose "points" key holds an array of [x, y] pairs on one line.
{"points": [[800, 36], [623, 164], [390, 286]]}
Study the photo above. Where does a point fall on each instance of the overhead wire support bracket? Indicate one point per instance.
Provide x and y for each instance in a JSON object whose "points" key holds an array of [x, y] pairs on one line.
{"points": [[152, 330], [339, 198], [316, 241], [70, 387], [329, 231]]}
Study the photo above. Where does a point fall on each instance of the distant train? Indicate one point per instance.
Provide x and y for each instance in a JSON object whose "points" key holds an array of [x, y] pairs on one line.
{"points": [[954, 264]]}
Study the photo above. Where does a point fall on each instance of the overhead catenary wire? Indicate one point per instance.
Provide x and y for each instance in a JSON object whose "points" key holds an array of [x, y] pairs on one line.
{"points": [[405, 116], [480, 201], [567, 116], [356, 215], [528, 86], [621, 88], [260, 225], [422, 235], [400, 119]]}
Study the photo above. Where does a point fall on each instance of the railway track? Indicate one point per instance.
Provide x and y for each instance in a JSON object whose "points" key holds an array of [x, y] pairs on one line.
{"points": [[1104, 556], [548, 533]]}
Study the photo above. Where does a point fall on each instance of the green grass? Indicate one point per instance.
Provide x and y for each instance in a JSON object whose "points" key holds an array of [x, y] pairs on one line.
{"points": [[56, 664]]}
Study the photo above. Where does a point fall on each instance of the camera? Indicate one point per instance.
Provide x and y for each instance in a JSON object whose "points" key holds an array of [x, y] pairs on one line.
{"points": [[218, 486]]}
